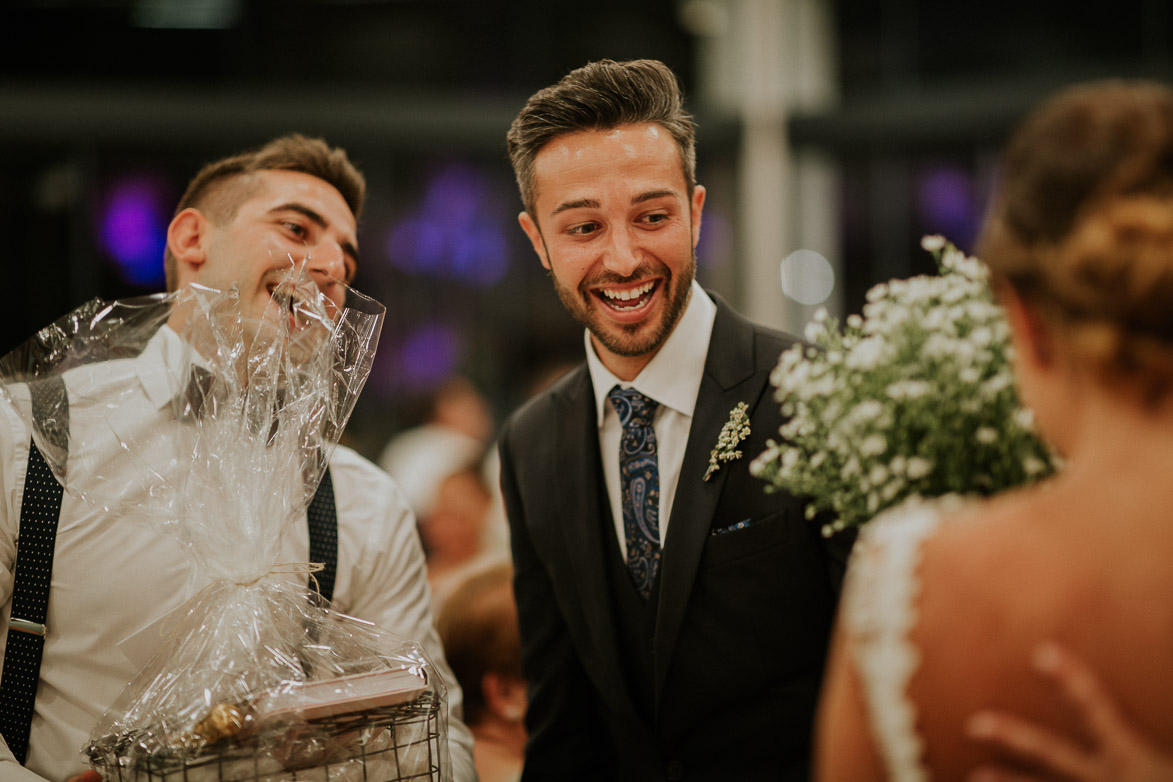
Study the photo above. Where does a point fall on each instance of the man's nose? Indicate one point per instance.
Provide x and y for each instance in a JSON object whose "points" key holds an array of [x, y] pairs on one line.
{"points": [[623, 254], [326, 264]]}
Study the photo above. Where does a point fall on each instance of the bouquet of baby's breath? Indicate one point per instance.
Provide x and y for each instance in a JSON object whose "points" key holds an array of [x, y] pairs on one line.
{"points": [[914, 399]]}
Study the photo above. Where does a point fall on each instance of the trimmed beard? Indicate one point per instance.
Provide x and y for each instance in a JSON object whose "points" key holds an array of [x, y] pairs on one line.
{"points": [[620, 339]]}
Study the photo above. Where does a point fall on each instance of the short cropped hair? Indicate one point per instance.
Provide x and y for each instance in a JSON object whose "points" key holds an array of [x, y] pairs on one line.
{"points": [[208, 192], [600, 96]]}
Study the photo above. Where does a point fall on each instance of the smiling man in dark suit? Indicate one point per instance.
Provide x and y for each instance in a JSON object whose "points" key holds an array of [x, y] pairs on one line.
{"points": [[674, 616]]}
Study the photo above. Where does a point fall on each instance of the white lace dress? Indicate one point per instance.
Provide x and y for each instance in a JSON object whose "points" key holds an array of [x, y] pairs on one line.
{"points": [[879, 611]]}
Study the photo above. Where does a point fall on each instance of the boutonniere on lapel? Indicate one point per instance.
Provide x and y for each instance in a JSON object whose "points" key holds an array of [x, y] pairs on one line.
{"points": [[733, 432]]}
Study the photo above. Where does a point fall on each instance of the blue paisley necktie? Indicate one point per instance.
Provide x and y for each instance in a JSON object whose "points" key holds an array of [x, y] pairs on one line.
{"points": [[640, 481]]}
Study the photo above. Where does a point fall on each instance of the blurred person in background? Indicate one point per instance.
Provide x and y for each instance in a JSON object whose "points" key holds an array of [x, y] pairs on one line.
{"points": [[457, 427], [454, 531], [478, 627]]}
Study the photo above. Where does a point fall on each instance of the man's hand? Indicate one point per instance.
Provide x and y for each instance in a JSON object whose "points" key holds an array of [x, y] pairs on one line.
{"points": [[1117, 754], [86, 776]]}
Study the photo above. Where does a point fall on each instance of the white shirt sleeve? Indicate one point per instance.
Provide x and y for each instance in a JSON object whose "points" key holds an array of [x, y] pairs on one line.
{"points": [[11, 771]]}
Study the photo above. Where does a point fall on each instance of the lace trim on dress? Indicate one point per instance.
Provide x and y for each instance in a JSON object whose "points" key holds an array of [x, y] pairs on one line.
{"points": [[879, 607]]}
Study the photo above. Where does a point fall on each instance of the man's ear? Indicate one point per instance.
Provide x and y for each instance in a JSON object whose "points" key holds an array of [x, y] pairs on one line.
{"points": [[187, 237], [698, 204], [505, 696], [535, 237]]}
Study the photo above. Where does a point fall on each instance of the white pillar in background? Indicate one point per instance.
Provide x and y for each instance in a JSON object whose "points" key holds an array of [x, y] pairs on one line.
{"points": [[760, 60]]}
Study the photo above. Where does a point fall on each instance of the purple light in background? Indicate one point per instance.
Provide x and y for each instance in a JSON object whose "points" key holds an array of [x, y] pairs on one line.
{"points": [[946, 203], [456, 232], [133, 229], [428, 355], [455, 195], [480, 256], [716, 243], [415, 245]]}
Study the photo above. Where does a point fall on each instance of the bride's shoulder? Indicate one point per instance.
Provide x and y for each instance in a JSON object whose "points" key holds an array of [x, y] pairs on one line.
{"points": [[981, 539], [901, 531]]}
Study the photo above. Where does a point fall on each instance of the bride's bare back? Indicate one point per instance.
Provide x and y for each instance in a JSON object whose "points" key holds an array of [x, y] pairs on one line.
{"points": [[1081, 564]]}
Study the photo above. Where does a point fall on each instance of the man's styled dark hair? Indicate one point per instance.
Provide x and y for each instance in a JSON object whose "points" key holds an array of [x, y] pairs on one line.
{"points": [[220, 187], [600, 96]]}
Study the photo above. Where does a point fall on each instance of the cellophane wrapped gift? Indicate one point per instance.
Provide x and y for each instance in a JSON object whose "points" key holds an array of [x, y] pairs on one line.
{"points": [[255, 677]]}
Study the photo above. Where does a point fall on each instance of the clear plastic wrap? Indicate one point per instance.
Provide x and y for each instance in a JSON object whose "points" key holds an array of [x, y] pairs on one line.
{"points": [[256, 677]]}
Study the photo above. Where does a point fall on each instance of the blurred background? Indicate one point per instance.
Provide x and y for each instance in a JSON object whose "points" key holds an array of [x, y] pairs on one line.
{"points": [[833, 135]]}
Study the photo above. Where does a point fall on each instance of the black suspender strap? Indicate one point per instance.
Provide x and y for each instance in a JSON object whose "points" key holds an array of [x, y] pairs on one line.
{"points": [[40, 508], [323, 523]]}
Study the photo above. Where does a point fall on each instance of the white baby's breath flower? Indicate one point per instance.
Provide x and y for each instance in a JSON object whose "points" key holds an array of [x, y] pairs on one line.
{"points": [[866, 354], [868, 410], [789, 459], [918, 468], [998, 383], [891, 490], [877, 475], [908, 389], [873, 445], [933, 243], [1024, 417], [1034, 465], [969, 375], [888, 407]]}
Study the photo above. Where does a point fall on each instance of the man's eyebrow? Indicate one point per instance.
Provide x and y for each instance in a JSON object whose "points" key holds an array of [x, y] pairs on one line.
{"points": [[591, 203], [303, 210], [316, 218], [652, 194], [582, 203]]}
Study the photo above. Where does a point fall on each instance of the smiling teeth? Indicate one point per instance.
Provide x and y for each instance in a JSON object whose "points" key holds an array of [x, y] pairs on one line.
{"points": [[628, 295]]}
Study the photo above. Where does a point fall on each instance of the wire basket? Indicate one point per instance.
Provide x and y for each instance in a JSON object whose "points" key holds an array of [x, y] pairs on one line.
{"points": [[400, 743]]}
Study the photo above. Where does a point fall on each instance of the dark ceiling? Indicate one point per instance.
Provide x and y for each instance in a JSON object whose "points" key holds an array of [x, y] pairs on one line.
{"points": [[912, 69]]}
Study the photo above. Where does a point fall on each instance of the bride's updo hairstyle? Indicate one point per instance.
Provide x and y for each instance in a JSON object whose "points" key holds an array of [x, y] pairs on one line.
{"points": [[1083, 226]]}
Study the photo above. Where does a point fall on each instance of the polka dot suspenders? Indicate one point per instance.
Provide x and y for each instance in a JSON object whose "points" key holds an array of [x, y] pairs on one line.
{"points": [[40, 509]]}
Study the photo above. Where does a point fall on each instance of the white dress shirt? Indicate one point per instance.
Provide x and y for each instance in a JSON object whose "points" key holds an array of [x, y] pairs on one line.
{"points": [[672, 378], [114, 572]]}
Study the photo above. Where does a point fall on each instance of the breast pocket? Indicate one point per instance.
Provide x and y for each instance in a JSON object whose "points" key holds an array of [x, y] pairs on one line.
{"points": [[739, 540], [765, 584]]}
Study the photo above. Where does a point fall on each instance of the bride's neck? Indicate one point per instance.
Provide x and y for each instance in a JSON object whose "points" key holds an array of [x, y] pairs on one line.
{"points": [[1111, 435]]}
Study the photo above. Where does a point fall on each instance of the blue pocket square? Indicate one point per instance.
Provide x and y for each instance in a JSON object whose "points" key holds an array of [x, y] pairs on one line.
{"points": [[732, 527]]}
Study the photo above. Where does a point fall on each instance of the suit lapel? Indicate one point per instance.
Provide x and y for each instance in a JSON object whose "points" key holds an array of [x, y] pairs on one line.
{"points": [[581, 516], [729, 368]]}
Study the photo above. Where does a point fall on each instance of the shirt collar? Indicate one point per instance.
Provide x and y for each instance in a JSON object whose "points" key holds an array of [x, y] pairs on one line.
{"points": [[163, 366], [673, 376]]}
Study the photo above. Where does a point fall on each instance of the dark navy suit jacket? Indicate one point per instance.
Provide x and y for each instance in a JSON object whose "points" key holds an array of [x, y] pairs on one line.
{"points": [[743, 617]]}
